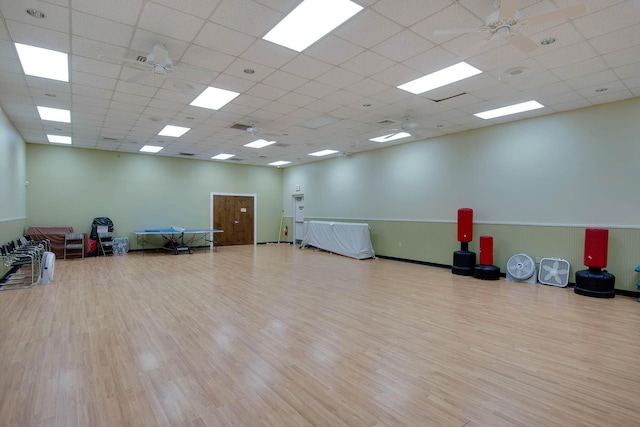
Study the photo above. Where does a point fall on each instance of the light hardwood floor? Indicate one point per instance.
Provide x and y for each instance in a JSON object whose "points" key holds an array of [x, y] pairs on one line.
{"points": [[278, 336]]}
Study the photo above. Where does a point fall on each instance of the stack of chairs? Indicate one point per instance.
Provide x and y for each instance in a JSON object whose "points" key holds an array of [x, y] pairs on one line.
{"points": [[24, 261]]}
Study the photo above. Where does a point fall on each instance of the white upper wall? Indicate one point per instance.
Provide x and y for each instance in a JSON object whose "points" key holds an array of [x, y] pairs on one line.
{"points": [[579, 167]]}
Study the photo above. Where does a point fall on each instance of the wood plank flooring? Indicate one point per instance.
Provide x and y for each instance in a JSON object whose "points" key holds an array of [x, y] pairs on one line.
{"points": [[278, 336]]}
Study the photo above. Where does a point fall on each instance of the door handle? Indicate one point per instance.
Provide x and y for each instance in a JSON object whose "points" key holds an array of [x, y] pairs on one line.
{"points": [[236, 222]]}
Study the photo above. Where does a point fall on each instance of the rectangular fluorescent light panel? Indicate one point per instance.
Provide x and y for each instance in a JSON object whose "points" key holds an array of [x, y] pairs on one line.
{"points": [[511, 109], [54, 114], [223, 156], [259, 143], [323, 153], [45, 63], [59, 139], [279, 163], [214, 98], [174, 131], [310, 21], [454, 73], [151, 149], [391, 137]]}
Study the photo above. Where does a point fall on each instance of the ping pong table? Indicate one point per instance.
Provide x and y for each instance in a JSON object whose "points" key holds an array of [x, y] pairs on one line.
{"points": [[173, 238]]}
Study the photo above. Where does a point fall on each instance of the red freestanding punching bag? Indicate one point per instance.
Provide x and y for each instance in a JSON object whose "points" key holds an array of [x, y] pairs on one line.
{"points": [[465, 225], [486, 270], [595, 282], [486, 250], [596, 242], [464, 260]]}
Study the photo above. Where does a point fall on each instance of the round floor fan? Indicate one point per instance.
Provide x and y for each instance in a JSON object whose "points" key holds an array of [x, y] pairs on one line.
{"points": [[521, 268]]}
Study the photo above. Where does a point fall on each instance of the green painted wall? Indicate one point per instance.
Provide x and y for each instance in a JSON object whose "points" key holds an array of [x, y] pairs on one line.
{"points": [[71, 186]]}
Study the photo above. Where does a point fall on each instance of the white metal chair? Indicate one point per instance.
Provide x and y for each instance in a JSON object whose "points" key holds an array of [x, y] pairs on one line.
{"points": [[105, 243], [74, 245]]}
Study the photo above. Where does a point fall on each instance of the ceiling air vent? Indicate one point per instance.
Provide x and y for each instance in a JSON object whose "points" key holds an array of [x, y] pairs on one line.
{"points": [[187, 154], [240, 126], [235, 159], [108, 138], [448, 97], [281, 144], [141, 58], [387, 122]]}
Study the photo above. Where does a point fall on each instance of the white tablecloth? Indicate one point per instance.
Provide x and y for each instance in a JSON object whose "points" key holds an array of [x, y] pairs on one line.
{"points": [[344, 238]]}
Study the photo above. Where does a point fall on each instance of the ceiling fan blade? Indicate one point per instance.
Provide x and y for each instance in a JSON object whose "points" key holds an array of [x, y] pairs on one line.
{"points": [[180, 85], [564, 13], [160, 54], [136, 77], [508, 8], [457, 31], [523, 43]]}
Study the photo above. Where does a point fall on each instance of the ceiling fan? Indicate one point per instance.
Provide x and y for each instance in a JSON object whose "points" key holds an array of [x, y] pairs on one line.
{"points": [[506, 22], [157, 63]]}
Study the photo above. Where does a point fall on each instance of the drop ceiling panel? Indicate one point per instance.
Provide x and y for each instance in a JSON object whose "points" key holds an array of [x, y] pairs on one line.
{"points": [[350, 74]]}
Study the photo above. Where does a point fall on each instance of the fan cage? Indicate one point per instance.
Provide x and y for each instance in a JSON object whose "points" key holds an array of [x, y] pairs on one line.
{"points": [[519, 273], [550, 268]]}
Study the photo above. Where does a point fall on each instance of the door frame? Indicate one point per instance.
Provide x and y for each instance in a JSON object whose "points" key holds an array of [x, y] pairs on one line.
{"points": [[255, 212]]}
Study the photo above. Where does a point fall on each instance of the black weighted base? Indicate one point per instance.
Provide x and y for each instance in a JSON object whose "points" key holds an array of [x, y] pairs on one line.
{"points": [[463, 263], [595, 283], [486, 272]]}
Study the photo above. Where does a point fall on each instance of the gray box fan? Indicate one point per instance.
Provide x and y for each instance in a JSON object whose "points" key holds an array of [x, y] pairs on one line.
{"points": [[521, 268], [554, 271]]}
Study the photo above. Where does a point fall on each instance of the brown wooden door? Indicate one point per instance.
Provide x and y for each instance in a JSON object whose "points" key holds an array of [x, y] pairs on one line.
{"points": [[233, 215]]}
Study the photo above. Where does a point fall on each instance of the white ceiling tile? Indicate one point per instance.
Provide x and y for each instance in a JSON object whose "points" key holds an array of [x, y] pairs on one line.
{"points": [[402, 46], [306, 66], [357, 30], [39, 37], [623, 57], [202, 8], [567, 55], [57, 18], [596, 79], [93, 27], [297, 99], [610, 19], [430, 61], [233, 83], [170, 22], [316, 89], [588, 66], [339, 77], [254, 19], [96, 50], [124, 11], [266, 91], [223, 39], [94, 66], [333, 50], [78, 77], [367, 63], [395, 75], [284, 80], [410, 11], [622, 39], [367, 87], [268, 54], [452, 17], [205, 58]]}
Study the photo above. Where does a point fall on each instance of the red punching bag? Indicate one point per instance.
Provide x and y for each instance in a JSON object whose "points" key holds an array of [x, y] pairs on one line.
{"points": [[596, 242], [486, 250], [465, 224]]}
